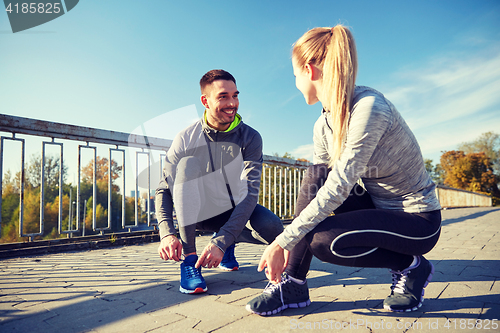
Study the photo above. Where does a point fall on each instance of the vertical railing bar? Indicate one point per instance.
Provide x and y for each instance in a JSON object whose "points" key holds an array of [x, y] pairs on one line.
{"points": [[285, 191], [42, 187], [123, 191], [275, 180], [269, 181], [162, 160], [1, 181], [109, 190], [94, 194], [78, 187], [21, 209], [294, 190], [136, 188], [149, 189], [290, 193], [264, 186], [280, 190], [61, 170], [61, 193], [21, 193], [78, 194]]}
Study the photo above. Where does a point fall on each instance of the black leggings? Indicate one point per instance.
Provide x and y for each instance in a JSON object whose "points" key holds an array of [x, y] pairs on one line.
{"points": [[359, 235]]}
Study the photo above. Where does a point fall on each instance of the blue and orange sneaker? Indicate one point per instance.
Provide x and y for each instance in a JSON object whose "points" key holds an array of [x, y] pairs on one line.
{"points": [[229, 262], [191, 280]]}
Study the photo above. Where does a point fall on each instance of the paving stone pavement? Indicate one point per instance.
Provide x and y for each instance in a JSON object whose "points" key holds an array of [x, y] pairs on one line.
{"points": [[130, 289]]}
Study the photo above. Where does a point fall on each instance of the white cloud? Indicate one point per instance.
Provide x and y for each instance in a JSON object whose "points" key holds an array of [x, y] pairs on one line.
{"points": [[304, 151], [450, 100], [447, 89]]}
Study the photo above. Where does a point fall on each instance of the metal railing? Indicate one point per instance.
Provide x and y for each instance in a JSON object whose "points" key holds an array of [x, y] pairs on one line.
{"points": [[48, 132], [279, 186]]}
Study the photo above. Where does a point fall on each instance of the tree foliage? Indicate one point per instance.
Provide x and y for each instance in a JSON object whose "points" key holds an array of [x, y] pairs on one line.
{"points": [[102, 170], [11, 188], [489, 144], [51, 172], [471, 171], [436, 172]]}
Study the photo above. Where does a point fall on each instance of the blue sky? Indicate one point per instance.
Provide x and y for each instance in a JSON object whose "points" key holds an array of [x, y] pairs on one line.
{"points": [[118, 64]]}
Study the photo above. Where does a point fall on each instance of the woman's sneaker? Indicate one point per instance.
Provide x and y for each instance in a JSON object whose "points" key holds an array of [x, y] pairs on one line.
{"points": [[191, 280], [229, 262], [408, 287], [280, 296]]}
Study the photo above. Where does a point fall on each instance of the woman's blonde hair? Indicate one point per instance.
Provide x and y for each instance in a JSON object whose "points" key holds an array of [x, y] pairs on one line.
{"points": [[333, 50]]}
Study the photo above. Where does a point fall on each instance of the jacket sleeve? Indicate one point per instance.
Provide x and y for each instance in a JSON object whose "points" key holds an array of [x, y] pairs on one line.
{"points": [[163, 194], [252, 170], [164, 208], [369, 121]]}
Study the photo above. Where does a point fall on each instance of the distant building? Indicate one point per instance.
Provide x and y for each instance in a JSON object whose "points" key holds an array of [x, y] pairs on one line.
{"points": [[145, 203]]}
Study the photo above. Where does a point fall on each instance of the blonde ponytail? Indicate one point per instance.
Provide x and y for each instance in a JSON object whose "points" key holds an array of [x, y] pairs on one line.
{"points": [[334, 51]]}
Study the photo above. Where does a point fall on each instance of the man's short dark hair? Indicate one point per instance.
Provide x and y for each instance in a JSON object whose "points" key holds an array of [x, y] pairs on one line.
{"points": [[214, 75]]}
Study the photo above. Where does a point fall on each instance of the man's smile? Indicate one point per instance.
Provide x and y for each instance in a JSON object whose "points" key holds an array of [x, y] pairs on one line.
{"points": [[229, 111]]}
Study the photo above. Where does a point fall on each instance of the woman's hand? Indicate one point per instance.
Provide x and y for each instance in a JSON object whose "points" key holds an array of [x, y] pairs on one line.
{"points": [[274, 259]]}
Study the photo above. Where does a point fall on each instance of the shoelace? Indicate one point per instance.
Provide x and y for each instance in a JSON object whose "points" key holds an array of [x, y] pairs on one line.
{"points": [[400, 286], [271, 287], [395, 278], [399, 280], [191, 271]]}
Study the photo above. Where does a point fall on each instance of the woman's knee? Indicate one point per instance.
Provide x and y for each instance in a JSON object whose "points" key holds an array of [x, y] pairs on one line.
{"points": [[319, 244]]}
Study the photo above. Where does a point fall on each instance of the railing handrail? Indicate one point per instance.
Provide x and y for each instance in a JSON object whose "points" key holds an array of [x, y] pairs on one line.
{"points": [[21, 125]]}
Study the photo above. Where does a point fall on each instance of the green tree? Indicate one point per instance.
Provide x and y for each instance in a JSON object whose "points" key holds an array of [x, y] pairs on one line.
{"points": [[435, 171], [102, 189], [11, 189], [10, 198], [101, 215]]}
